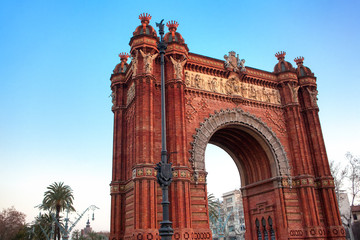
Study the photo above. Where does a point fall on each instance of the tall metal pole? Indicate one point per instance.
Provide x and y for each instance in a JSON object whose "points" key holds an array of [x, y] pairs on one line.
{"points": [[164, 169]]}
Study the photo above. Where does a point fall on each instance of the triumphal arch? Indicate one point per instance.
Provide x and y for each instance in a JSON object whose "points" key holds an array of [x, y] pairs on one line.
{"points": [[267, 121]]}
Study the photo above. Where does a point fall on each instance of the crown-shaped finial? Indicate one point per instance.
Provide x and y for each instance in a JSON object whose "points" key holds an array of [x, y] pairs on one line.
{"points": [[299, 60], [172, 24], [145, 17], [280, 55], [124, 55]]}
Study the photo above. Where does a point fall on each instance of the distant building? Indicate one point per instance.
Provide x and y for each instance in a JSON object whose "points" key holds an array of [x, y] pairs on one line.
{"points": [[231, 222], [355, 211], [344, 207], [87, 229]]}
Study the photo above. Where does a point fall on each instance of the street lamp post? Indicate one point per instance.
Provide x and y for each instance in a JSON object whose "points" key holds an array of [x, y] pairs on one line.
{"points": [[164, 169]]}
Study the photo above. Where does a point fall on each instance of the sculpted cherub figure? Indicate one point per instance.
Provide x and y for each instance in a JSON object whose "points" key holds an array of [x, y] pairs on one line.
{"points": [[148, 61], [313, 96], [241, 65], [294, 92], [178, 66]]}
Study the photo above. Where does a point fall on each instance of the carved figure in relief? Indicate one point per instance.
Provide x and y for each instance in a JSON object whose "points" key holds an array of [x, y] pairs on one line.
{"points": [[178, 67], [244, 90], [213, 84], [276, 97], [313, 96], [233, 63], [187, 79], [294, 93], [134, 60], [229, 87], [221, 86], [197, 81], [242, 65], [148, 61], [236, 86], [192, 80], [266, 95], [258, 94], [252, 92]]}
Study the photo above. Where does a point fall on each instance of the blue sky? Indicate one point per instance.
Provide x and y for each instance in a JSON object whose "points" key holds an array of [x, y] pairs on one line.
{"points": [[56, 58]]}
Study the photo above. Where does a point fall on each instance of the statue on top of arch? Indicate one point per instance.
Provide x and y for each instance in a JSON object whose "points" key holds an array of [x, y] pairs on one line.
{"points": [[233, 63]]}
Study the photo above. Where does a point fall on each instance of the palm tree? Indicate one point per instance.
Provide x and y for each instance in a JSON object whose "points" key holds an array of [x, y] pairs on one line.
{"points": [[42, 227], [213, 205], [57, 198]]}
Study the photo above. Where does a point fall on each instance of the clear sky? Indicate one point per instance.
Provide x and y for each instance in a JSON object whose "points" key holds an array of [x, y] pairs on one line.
{"points": [[56, 58]]}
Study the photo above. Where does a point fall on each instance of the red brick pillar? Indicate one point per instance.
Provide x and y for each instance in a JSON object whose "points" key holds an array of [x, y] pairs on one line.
{"points": [[324, 180], [302, 169], [117, 225], [179, 191]]}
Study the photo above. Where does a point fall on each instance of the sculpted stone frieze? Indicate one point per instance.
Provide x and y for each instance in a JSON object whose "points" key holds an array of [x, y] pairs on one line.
{"points": [[232, 86]]}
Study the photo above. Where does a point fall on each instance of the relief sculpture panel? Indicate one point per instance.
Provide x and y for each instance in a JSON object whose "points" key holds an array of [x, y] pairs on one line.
{"points": [[231, 86]]}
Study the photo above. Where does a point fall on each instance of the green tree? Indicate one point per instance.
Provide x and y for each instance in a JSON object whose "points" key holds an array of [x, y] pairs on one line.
{"points": [[42, 227], [76, 235], [12, 224], [57, 198], [93, 236], [213, 205]]}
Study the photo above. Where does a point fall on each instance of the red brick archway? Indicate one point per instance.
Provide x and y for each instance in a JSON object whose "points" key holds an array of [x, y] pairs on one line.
{"points": [[261, 161], [267, 121]]}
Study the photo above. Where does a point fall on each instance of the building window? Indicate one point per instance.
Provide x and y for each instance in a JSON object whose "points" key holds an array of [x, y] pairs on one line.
{"points": [[229, 209], [283, 68], [355, 216], [229, 200], [263, 222], [231, 228], [272, 232], [259, 237]]}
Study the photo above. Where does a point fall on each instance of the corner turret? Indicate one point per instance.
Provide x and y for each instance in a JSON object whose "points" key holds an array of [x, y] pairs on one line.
{"points": [[122, 66], [282, 65], [145, 28], [301, 70]]}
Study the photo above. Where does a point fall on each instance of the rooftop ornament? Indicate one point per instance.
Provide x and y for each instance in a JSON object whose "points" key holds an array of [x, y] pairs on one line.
{"points": [[124, 55], [172, 25], [145, 20], [299, 60], [280, 55]]}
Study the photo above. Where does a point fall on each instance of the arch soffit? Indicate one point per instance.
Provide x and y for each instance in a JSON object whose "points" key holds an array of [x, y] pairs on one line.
{"points": [[236, 116]]}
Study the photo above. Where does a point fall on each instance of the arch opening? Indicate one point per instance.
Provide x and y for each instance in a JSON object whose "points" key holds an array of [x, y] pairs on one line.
{"points": [[250, 153], [246, 139], [260, 160]]}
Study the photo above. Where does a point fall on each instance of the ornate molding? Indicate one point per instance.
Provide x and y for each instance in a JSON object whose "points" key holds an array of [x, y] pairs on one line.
{"points": [[236, 116]]}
